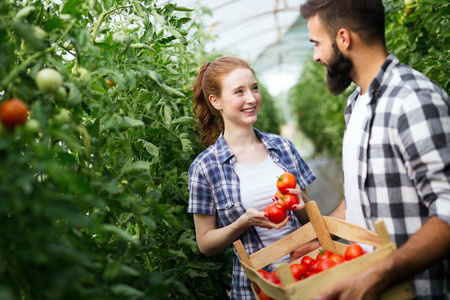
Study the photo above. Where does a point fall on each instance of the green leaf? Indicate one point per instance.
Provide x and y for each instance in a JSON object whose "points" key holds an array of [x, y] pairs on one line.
{"points": [[136, 167], [151, 149], [126, 291], [186, 120]]}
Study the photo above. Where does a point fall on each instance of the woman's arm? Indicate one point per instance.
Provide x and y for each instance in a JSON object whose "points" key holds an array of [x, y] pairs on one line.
{"points": [[211, 239]]}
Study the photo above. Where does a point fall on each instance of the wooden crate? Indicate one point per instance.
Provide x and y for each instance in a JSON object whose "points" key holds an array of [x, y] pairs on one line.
{"points": [[320, 227]]}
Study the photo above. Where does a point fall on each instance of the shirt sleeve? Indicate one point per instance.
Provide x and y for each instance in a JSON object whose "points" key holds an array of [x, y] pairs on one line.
{"points": [[201, 200], [424, 132]]}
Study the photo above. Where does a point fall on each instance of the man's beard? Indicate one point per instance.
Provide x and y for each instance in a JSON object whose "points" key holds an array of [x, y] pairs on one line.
{"points": [[338, 72]]}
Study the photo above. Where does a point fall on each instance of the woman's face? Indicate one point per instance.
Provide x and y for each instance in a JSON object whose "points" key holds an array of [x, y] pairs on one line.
{"points": [[240, 100]]}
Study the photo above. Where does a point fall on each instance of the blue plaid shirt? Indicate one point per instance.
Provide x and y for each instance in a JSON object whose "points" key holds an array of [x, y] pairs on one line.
{"points": [[214, 190], [404, 160]]}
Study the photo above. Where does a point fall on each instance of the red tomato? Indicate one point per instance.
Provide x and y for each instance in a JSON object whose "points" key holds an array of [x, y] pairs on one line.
{"points": [[313, 267], [325, 264], [298, 271], [354, 250], [13, 112], [307, 260], [262, 273], [273, 278], [339, 259], [286, 181], [263, 296], [290, 200], [323, 254], [280, 195], [276, 213]]}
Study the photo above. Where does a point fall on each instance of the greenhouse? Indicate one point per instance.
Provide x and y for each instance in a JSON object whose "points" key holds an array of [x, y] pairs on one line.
{"points": [[101, 133]]}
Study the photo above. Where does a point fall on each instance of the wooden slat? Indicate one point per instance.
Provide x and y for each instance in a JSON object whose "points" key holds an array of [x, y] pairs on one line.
{"points": [[383, 234], [243, 256], [319, 225], [285, 274], [283, 246], [351, 232]]}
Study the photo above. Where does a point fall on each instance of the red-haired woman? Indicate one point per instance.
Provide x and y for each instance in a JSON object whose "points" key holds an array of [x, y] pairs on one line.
{"points": [[234, 179]]}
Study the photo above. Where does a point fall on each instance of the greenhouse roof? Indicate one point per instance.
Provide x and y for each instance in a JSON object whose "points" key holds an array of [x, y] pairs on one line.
{"points": [[270, 34]]}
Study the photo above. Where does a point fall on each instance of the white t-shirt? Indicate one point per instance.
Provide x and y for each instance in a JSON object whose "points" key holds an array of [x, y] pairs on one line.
{"points": [[350, 152], [258, 185]]}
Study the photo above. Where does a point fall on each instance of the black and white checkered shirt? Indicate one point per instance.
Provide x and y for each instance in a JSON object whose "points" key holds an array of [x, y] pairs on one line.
{"points": [[404, 160]]}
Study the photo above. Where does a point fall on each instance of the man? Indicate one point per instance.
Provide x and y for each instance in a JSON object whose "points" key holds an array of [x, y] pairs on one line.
{"points": [[396, 150]]}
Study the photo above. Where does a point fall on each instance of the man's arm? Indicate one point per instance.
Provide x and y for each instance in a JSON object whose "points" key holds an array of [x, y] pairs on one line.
{"points": [[429, 245]]}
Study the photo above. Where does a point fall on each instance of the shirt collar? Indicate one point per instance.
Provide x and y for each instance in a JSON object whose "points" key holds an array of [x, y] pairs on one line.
{"points": [[377, 83], [224, 153]]}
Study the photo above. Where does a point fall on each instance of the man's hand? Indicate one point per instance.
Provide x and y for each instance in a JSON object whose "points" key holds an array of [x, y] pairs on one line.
{"points": [[304, 249]]}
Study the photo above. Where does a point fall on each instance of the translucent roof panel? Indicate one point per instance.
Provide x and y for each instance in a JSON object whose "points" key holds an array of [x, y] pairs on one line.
{"points": [[269, 34]]}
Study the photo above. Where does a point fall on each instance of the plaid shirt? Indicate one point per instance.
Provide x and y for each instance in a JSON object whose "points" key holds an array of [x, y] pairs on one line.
{"points": [[404, 159], [214, 190]]}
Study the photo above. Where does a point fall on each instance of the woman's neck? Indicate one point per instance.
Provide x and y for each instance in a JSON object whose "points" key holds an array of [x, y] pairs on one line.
{"points": [[247, 147]]}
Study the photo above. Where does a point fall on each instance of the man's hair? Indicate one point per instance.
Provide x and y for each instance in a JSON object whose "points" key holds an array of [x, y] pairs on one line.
{"points": [[364, 17]]}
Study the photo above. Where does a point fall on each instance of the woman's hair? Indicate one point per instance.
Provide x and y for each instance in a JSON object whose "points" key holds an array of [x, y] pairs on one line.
{"points": [[364, 17], [209, 82]]}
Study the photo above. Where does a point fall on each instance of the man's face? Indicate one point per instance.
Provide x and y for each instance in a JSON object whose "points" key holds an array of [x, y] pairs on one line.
{"points": [[328, 54]]}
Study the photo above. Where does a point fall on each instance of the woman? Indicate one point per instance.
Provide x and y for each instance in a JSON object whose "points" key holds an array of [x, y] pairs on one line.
{"points": [[234, 179]]}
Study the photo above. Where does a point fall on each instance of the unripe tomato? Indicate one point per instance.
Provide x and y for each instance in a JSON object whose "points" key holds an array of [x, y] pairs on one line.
{"points": [[32, 126], [48, 80], [13, 112], [60, 93], [62, 117]]}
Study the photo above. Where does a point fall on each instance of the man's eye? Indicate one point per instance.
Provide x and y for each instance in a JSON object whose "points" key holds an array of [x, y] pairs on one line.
{"points": [[256, 87]]}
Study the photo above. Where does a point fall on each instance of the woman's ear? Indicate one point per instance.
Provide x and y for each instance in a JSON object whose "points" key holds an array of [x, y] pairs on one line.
{"points": [[214, 102]]}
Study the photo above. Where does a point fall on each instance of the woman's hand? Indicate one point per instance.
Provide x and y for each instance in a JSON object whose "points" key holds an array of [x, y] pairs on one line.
{"points": [[299, 193], [254, 217]]}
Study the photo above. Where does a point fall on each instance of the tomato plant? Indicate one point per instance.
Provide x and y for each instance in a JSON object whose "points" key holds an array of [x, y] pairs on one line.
{"points": [[286, 181], [276, 213], [13, 112], [353, 251]]}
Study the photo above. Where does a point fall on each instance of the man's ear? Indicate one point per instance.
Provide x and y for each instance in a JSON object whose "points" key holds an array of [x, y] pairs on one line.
{"points": [[344, 39], [214, 102]]}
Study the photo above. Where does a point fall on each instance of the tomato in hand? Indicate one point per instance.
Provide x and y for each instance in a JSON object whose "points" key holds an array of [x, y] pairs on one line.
{"points": [[289, 201], [276, 213], [13, 112], [325, 264], [353, 251], [323, 254], [298, 271], [279, 195], [307, 260], [286, 181]]}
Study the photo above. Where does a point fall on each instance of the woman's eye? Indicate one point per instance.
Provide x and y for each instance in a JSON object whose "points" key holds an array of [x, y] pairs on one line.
{"points": [[238, 91]]}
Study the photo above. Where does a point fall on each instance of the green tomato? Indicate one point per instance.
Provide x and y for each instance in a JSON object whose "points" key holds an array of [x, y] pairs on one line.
{"points": [[84, 77], [32, 126], [48, 80], [60, 94], [62, 117]]}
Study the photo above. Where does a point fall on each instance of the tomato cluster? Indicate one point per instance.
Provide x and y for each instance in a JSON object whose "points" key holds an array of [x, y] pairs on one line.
{"points": [[277, 212], [309, 266], [287, 181]]}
